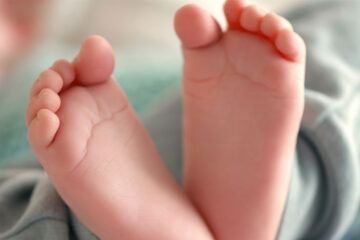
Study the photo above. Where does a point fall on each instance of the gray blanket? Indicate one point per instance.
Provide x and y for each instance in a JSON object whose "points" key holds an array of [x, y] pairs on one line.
{"points": [[324, 194]]}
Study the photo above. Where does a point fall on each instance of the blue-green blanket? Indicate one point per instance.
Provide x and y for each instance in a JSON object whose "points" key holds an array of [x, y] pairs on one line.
{"points": [[144, 78]]}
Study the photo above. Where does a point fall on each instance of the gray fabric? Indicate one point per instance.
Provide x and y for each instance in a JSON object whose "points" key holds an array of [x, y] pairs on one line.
{"points": [[324, 193], [30, 208]]}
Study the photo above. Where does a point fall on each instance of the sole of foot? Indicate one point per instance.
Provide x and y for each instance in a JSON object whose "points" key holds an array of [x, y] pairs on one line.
{"points": [[98, 155], [243, 102]]}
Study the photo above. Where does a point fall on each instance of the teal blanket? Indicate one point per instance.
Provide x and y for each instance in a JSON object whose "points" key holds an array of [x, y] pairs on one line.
{"points": [[144, 80]]}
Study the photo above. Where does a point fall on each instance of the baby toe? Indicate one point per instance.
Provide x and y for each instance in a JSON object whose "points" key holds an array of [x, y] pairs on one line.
{"points": [[251, 18], [232, 10], [196, 27], [272, 24], [291, 45], [42, 129], [66, 70], [46, 99], [47, 79], [95, 62]]}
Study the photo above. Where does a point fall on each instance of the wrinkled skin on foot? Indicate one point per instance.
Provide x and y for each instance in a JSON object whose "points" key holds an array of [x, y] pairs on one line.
{"points": [[98, 155], [243, 102]]}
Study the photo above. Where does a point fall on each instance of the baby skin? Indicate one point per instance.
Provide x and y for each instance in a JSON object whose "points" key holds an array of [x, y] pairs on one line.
{"points": [[243, 102]]}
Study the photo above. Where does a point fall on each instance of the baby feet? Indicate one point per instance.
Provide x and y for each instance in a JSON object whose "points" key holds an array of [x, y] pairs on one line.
{"points": [[98, 155], [243, 102]]}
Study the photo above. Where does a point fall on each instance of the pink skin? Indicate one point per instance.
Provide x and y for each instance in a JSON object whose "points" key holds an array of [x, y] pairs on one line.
{"points": [[99, 156], [243, 102]]}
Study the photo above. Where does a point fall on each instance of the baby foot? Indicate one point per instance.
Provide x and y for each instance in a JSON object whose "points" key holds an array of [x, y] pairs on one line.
{"points": [[98, 155], [243, 102]]}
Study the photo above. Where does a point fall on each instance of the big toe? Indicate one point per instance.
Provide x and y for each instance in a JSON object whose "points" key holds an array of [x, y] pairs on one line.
{"points": [[196, 27], [95, 62]]}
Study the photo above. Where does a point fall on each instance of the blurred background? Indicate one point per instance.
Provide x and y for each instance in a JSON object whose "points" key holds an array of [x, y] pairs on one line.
{"points": [[35, 33], [125, 22]]}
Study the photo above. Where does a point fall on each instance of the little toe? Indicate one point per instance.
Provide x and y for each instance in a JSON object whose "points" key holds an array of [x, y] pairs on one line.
{"points": [[42, 129], [47, 79], [291, 45], [272, 24], [233, 9], [196, 27], [95, 62], [66, 70], [251, 18], [46, 99]]}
